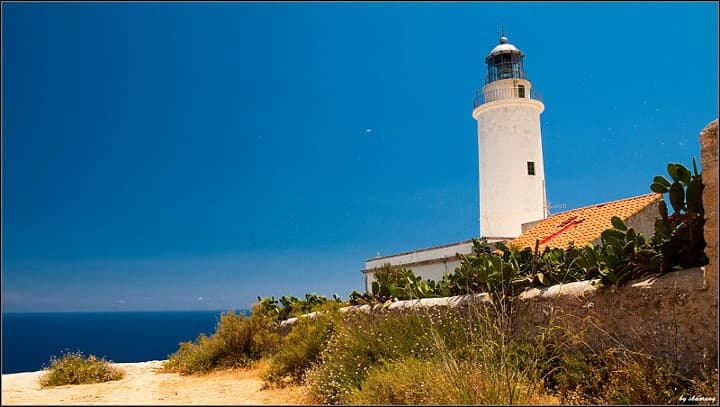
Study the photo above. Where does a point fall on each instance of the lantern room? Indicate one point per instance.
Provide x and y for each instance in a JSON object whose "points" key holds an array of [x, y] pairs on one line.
{"points": [[505, 61]]}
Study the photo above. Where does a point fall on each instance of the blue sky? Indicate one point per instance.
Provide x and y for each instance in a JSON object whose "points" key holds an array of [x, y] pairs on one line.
{"points": [[160, 156]]}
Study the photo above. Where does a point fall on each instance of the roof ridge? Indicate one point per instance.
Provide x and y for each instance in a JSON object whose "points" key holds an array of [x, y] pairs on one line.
{"points": [[583, 224], [424, 249], [659, 196]]}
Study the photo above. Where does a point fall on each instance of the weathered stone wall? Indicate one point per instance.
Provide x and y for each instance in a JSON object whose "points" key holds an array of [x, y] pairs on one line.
{"points": [[709, 162], [672, 316]]}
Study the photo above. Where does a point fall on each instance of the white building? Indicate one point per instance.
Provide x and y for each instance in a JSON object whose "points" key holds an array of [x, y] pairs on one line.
{"points": [[512, 181]]}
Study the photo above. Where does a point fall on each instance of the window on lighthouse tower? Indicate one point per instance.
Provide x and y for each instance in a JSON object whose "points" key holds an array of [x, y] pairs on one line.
{"points": [[531, 167]]}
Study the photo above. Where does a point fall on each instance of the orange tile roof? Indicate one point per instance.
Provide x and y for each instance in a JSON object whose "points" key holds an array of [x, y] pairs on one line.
{"points": [[581, 225]]}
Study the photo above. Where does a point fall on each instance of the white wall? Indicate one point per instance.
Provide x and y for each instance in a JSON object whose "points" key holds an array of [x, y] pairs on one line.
{"points": [[432, 253], [431, 271], [432, 263], [643, 222]]}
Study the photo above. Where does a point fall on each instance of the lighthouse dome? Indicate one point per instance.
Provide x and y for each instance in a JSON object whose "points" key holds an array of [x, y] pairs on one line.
{"points": [[504, 48]]}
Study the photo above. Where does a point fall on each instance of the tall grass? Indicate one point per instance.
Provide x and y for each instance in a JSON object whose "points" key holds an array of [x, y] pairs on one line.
{"points": [[406, 381], [495, 369], [375, 345], [366, 341], [445, 356]]}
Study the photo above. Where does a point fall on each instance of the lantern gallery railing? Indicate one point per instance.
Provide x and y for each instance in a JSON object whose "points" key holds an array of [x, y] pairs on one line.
{"points": [[516, 92]]}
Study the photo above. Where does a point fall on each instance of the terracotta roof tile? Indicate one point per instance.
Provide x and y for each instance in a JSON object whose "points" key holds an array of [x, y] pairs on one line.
{"points": [[581, 225]]}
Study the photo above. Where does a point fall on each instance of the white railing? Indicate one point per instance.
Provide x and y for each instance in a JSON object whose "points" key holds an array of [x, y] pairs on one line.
{"points": [[514, 92]]}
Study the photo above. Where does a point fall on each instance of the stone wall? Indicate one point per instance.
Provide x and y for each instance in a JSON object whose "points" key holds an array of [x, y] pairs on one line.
{"points": [[672, 316], [709, 162]]}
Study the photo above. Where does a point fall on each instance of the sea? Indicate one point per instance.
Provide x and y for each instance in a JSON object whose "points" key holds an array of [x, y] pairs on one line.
{"points": [[29, 340]]}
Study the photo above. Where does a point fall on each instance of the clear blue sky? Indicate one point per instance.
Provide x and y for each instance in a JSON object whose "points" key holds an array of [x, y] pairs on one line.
{"points": [[160, 156]]}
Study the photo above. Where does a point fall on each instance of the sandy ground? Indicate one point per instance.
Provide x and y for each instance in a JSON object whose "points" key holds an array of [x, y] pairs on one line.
{"points": [[144, 384]]}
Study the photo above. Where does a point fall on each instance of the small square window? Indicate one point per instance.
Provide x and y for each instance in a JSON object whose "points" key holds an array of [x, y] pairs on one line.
{"points": [[531, 167]]}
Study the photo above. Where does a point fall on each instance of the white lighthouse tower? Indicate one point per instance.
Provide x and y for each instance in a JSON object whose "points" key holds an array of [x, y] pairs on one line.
{"points": [[512, 175]]}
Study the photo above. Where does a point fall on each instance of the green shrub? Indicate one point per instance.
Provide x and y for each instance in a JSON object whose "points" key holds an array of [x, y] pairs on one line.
{"points": [[238, 340], [301, 347], [75, 368]]}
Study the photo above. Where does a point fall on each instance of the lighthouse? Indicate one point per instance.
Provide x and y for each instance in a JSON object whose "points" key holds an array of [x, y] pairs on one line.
{"points": [[512, 175], [512, 181]]}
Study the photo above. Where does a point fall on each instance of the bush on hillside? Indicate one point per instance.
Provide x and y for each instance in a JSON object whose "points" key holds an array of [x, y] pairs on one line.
{"points": [[75, 368], [238, 340], [301, 347]]}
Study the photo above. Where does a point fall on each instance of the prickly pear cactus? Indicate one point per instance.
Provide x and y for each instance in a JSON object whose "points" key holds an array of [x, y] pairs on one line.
{"points": [[679, 237]]}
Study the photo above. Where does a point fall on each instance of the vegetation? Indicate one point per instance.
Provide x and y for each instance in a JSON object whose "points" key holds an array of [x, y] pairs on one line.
{"points": [[677, 242], [365, 341], [445, 356], [680, 236], [75, 368], [238, 340], [301, 348], [473, 355], [617, 375], [288, 307], [406, 381]]}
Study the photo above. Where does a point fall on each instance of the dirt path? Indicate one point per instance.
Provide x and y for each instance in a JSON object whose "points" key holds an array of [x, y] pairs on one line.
{"points": [[143, 384]]}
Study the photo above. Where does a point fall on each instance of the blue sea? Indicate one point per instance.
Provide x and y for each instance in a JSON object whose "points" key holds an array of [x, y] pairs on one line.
{"points": [[30, 339]]}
